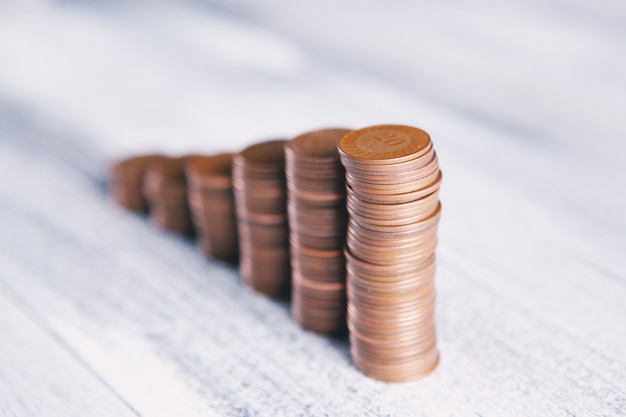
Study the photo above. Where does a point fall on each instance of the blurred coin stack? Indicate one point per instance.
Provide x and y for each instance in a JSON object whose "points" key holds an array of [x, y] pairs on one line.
{"points": [[260, 205], [393, 181], [212, 205], [317, 222], [165, 189], [125, 179]]}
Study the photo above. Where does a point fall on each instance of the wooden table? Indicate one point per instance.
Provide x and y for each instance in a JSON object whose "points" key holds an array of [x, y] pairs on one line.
{"points": [[101, 314]]}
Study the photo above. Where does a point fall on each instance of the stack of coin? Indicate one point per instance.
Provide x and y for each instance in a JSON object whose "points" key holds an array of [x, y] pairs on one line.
{"points": [[165, 189], [125, 179], [211, 201], [317, 223], [393, 181], [260, 205]]}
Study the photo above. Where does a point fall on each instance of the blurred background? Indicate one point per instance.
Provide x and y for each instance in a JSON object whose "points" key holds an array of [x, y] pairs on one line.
{"points": [[218, 74], [533, 92], [525, 101]]}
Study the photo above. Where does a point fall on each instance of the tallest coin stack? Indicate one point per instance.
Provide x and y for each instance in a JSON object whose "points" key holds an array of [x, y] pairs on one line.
{"points": [[393, 180]]}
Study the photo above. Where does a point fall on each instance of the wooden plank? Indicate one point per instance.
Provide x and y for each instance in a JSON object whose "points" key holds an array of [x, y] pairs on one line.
{"points": [[39, 377], [175, 334]]}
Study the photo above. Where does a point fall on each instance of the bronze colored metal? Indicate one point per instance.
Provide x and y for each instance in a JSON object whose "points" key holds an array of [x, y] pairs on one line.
{"points": [[211, 201], [260, 194], [210, 172], [173, 223], [393, 181], [344, 221], [125, 178], [165, 189], [384, 144], [317, 223], [131, 170]]}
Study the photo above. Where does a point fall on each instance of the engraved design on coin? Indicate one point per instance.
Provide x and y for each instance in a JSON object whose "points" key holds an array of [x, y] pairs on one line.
{"points": [[381, 141]]}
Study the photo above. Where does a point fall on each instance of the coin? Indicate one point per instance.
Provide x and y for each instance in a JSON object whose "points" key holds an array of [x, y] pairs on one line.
{"points": [[384, 144], [392, 181], [260, 205], [210, 173], [317, 222], [344, 221], [165, 189], [125, 179], [318, 306], [212, 205]]}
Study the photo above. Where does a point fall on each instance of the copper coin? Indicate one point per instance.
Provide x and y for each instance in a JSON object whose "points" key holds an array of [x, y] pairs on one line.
{"points": [[131, 204], [213, 172], [125, 179], [391, 241], [261, 159], [392, 184], [318, 144], [398, 373], [318, 265], [304, 171], [333, 324], [374, 283], [420, 338], [415, 227], [316, 199], [216, 206], [397, 198], [166, 169], [317, 222], [221, 226], [260, 218], [426, 204], [379, 172], [391, 219], [176, 192], [255, 186], [124, 194], [226, 251], [173, 224], [331, 185], [264, 234], [384, 144], [389, 330], [413, 169], [130, 171], [387, 188]]}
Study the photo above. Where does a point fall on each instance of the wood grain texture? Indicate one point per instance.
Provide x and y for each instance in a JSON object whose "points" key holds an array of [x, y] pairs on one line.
{"points": [[38, 377], [531, 276]]}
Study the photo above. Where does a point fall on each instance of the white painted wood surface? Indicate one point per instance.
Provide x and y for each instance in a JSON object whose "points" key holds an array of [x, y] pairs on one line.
{"points": [[101, 314], [39, 375]]}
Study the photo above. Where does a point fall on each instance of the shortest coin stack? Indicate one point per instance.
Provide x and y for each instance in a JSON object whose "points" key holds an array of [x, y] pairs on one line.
{"points": [[260, 205], [317, 222], [125, 179], [210, 196], [393, 182], [165, 189]]}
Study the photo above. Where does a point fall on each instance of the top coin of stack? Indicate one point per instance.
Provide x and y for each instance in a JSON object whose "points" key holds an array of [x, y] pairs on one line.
{"points": [[211, 201], [125, 179], [317, 222], [393, 181], [260, 205], [165, 189]]}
